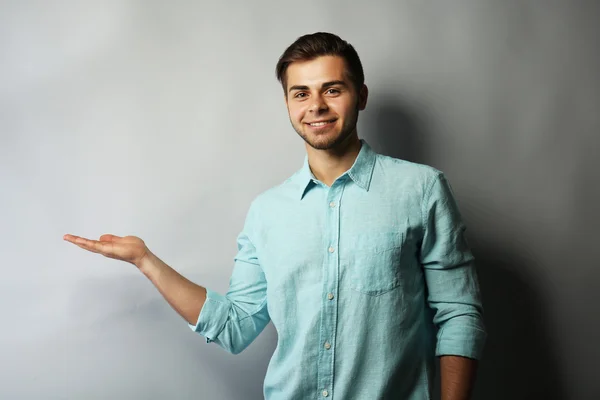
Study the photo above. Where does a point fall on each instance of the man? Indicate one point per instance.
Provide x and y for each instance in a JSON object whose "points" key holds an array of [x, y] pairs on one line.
{"points": [[354, 258]]}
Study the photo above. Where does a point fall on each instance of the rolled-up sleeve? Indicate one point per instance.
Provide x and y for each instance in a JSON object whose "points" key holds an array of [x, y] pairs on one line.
{"points": [[450, 275], [235, 319]]}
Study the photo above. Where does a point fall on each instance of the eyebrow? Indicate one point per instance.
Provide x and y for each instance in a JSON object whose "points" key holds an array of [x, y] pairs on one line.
{"points": [[323, 86]]}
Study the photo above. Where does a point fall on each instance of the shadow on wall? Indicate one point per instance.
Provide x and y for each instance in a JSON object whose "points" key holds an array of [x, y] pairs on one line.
{"points": [[519, 359]]}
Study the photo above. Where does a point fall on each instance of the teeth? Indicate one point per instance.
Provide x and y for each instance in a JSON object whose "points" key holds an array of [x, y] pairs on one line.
{"points": [[320, 123]]}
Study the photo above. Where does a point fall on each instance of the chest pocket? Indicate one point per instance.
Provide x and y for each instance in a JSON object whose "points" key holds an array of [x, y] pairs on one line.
{"points": [[373, 262]]}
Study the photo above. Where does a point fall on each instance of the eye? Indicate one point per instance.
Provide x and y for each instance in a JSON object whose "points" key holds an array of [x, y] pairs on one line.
{"points": [[332, 91], [300, 95]]}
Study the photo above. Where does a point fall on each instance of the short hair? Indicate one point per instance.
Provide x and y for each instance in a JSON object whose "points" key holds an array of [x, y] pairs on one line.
{"points": [[311, 46]]}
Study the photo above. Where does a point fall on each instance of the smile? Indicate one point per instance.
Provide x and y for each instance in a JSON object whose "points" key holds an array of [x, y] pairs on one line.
{"points": [[320, 123]]}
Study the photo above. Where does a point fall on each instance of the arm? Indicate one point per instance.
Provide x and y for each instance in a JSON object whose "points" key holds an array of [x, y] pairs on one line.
{"points": [[186, 297], [453, 290], [235, 319], [457, 377], [232, 321]]}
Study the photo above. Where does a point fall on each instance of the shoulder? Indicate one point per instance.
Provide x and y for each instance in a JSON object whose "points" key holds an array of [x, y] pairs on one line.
{"points": [[420, 175]]}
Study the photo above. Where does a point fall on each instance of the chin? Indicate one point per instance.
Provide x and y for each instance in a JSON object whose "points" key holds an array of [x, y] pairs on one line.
{"points": [[321, 146], [324, 141], [327, 140]]}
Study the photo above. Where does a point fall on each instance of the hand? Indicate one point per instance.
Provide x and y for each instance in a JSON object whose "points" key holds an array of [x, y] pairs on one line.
{"points": [[129, 248]]}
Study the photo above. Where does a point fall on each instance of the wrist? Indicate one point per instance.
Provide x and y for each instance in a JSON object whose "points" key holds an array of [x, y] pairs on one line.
{"points": [[145, 263]]}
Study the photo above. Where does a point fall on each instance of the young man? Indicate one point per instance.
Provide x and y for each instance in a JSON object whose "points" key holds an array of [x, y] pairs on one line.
{"points": [[354, 258]]}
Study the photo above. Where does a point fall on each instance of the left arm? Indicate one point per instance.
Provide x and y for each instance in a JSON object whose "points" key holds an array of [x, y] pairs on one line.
{"points": [[457, 377], [453, 291]]}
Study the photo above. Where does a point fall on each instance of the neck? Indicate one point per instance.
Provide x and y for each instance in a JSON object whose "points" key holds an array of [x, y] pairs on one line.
{"points": [[328, 165]]}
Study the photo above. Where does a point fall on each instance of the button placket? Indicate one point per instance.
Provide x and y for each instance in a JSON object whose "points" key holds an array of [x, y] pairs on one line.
{"points": [[329, 307]]}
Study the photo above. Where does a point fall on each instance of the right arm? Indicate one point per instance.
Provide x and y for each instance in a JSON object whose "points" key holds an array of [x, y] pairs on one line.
{"points": [[232, 320], [186, 297]]}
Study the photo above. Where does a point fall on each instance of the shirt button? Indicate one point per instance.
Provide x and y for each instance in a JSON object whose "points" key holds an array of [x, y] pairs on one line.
{"points": [[325, 393], [332, 204], [331, 249], [330, 296], [327, 345]]}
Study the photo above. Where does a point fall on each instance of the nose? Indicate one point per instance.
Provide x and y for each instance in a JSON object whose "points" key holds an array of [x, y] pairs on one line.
{"points": [[317, 104]]}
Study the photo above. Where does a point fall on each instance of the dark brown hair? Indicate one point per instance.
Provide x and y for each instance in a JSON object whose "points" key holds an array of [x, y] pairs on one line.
{"points": [[309, 47]]}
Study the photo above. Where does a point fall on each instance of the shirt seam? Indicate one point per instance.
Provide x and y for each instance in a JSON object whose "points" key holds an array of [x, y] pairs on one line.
{"points": [[426, 198], [253, 313]]}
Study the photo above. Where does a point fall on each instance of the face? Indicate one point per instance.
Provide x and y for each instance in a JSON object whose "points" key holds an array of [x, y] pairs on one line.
{"points": [[322, 102]]}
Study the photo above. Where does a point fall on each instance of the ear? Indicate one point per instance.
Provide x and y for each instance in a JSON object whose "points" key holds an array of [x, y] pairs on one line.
{"points": [[363, 94]]}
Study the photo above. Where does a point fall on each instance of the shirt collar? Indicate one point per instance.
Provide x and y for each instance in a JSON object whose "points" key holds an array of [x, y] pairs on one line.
{"points": [[360, 172]]}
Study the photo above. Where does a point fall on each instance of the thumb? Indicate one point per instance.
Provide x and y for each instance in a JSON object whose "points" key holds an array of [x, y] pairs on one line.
{"points": [[109, 238]]}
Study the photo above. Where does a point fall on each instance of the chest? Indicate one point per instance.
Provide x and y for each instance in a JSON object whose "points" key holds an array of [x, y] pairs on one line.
{"points": [[347, 235]]}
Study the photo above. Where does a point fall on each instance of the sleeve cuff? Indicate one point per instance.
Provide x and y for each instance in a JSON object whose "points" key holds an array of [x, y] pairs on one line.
{"points": [[213, 316], [470, 346]]}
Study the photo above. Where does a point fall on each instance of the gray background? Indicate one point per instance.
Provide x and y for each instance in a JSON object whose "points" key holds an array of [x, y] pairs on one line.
{"points": [[164, 120]]}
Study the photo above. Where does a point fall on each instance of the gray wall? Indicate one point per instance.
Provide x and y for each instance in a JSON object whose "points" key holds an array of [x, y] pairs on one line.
{"points": [[164, 120]]}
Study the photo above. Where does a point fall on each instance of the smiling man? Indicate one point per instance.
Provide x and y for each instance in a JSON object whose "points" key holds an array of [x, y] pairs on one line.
{"points": [[356, 258], [323, 112]]}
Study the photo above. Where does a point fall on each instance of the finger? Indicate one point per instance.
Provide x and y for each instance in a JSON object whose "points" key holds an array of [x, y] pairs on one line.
{"points": [[92, 245], [104, 238], [71, 238], [88, 248], [109, 237]]}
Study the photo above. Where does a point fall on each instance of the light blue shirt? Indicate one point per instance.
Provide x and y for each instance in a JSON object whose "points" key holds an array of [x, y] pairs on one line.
{"points": [[355, 278]]}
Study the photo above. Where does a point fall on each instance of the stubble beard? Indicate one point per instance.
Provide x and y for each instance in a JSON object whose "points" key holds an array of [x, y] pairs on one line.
{"points": [[331, 141]]}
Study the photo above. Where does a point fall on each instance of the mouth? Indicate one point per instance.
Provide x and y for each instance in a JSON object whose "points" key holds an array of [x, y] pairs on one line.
{"points": [[321, 124]]}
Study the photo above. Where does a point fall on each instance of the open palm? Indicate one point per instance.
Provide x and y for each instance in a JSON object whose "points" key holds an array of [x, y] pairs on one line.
{"points": [[129, 248]]}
